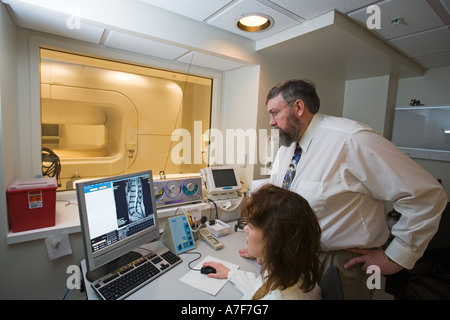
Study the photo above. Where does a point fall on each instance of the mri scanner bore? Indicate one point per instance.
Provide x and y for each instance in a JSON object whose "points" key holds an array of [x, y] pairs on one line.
{"points": [[105, 118]]}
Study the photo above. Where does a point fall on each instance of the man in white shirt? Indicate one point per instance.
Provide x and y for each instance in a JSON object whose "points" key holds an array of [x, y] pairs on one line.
{"points": [[346, 171]]}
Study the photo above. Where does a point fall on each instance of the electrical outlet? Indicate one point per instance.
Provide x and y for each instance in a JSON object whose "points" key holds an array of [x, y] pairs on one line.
{"points": [[58, 245]]}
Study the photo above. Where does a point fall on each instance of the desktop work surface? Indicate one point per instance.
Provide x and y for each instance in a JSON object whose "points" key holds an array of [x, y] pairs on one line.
{"points": [[168, 286]]}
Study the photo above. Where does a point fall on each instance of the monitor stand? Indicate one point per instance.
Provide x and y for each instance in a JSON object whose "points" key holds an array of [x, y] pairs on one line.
{"points": [[112, 266]]}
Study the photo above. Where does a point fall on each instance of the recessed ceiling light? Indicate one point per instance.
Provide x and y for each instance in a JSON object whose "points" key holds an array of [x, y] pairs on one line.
{"points": [[398, 21], [254, 22]]}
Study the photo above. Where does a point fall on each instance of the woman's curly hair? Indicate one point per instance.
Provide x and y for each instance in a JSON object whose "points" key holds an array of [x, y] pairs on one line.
{"points": [[291, 235]]}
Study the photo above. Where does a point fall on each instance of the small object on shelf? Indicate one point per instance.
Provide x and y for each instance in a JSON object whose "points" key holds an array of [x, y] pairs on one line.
{"points": [[415, 102]]}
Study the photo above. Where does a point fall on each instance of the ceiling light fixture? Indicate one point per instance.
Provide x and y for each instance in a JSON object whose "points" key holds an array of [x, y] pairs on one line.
{"points": [[398, 21], [254, 22]]}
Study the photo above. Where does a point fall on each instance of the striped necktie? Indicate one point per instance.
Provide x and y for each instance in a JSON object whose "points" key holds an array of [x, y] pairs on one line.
{"points": [[290, 173]]}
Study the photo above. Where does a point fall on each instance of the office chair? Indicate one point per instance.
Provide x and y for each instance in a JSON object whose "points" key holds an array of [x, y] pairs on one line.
{"points": [[331, 284]]}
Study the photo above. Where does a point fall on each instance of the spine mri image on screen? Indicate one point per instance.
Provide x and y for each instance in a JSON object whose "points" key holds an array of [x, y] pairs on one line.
{"points": [[135, 200]]}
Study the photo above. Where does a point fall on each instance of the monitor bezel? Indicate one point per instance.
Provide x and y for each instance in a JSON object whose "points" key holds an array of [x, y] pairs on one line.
{"points": [[95, 260]]}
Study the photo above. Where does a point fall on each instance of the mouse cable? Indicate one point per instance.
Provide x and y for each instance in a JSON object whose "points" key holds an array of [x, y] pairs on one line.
{"points": [[199, 256]]}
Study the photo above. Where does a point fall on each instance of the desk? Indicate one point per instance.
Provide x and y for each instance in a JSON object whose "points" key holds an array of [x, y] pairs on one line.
{"points": [[169, 287]]}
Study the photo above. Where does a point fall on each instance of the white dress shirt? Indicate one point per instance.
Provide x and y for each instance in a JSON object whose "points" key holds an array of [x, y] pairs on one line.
{"points": [[346, 172], [248, 283]]}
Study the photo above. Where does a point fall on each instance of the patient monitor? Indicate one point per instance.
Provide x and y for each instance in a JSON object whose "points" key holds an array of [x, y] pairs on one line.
{"points": [[222, 181], [223, 186]]}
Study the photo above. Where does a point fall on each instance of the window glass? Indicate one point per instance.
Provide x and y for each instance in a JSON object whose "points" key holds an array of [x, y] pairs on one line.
{"points": [[102, 117]]}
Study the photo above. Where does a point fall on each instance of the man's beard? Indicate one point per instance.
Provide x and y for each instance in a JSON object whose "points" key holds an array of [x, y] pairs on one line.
{"points": [[291, 133]]}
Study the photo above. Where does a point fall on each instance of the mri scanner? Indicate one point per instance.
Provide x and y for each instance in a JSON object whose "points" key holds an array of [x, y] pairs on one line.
{"points": [[106, 118]]}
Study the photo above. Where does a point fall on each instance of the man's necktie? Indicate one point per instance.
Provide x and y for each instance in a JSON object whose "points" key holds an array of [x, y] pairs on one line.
{"points": [[290, 173]]}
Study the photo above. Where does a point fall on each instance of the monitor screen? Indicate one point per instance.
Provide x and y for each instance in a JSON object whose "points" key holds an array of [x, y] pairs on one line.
{"points": [[117, 214], [222, 179]]}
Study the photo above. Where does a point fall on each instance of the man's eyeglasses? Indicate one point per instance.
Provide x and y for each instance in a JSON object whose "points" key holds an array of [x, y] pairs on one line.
{"points": [[275, 114]]}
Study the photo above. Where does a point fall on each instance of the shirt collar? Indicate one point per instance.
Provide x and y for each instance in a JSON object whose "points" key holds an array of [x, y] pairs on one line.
{"points": [[306, 138]]}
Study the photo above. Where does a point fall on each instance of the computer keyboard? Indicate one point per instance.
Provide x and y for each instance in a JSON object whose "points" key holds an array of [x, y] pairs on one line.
{"points": [[131, 277]]}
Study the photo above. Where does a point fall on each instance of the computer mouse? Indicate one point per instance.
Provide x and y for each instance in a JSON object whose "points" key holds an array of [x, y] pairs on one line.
{"points": [[207, 270]]}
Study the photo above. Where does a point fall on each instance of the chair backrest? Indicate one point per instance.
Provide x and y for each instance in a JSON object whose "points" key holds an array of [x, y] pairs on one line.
{"points": [[331, 285]]}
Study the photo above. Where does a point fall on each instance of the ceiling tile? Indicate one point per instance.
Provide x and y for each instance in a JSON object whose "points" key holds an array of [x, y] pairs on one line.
{"points": [[142, 45], [446, 4], [425, 43], [54, 22], [418, 16], [195, 9], [435, 60], [227, 18], [309, 9], [208, 61]]}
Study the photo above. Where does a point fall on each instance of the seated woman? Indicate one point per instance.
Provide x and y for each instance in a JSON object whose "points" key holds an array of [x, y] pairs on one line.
{"points": [[284, 234]]}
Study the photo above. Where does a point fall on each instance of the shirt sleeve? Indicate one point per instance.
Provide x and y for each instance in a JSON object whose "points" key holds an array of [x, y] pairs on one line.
{"points": [[242, 280], [388, 174]]}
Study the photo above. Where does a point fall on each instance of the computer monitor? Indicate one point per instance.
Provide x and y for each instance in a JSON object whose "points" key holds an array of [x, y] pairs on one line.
{"points": [[222, 179], [117, 214]]}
